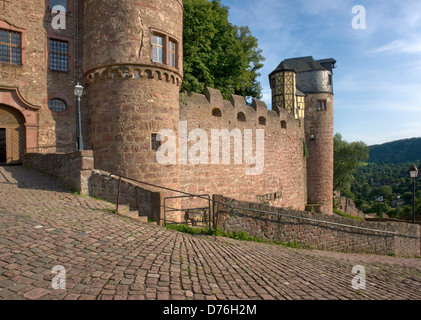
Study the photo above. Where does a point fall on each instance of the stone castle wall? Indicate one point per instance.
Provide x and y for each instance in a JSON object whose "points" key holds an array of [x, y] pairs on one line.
{"points": [[36, 82], [282, 181], [319, 123], [319, 231]]}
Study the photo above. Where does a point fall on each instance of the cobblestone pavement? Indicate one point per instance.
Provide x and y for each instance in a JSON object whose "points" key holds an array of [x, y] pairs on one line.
{"points": [[106, 256]]}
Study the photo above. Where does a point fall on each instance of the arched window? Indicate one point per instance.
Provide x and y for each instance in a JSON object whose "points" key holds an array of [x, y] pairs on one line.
{"points": [[57, 105], [216, 112], [262, 121], [283, 124], [241, 117]]}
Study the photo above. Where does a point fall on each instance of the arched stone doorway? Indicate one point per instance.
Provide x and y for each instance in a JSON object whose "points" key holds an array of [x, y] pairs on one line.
{"points": [[12, 135], [18, 126]]}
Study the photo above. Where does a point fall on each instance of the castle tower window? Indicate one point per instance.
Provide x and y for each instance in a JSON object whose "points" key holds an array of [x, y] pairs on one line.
{"points": [[262, 121], [158, 49], [241, 117], [57, 105], [283, 124], [321, 105], [54, 3], [164, 48], [10, 47], [216, 112], [171, 53], [155, 143], [59, 55]]}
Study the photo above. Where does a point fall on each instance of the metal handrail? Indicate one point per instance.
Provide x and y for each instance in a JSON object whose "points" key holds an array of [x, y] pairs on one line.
{"points": [[232, 207], [186, 209], [51, 146]]}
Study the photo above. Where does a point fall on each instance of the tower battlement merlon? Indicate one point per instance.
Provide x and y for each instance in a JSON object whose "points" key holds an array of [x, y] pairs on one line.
{"points": [[211, 106]]}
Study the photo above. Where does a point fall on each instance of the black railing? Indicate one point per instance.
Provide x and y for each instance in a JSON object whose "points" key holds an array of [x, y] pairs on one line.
{"points": [[65, 148], [195, 216]]}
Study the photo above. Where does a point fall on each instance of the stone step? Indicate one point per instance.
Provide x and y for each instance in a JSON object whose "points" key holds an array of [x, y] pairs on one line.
{"points": [[132, 214], [123, 209], [143, 219]]}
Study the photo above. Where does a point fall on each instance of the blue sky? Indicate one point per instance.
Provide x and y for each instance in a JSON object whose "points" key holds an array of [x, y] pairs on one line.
{"points": [[377, 82]]}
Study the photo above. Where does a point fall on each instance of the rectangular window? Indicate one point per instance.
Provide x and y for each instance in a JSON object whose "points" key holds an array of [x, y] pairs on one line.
{"points": [[155, 144], [59, 55], [10, 47], [321, 105], [158, 49], [171, 54], [58, 3]]}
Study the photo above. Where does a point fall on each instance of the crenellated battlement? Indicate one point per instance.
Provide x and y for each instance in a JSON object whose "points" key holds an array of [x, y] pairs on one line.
{"points": [[212, 107], [133, 71]]}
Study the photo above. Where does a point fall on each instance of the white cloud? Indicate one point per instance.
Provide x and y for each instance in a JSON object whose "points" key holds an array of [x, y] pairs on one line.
{"points": [[400, 46]]}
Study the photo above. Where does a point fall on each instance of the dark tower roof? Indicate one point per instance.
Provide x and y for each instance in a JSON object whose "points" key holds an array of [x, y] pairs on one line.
{"points": [[305, 64]]}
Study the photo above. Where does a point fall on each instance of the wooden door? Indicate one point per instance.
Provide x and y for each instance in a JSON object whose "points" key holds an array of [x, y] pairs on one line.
{"points": [[12, 135], [3, 154]]}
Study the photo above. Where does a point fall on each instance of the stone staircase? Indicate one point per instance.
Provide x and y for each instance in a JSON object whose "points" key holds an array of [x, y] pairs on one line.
{"points": [[125, 211]]}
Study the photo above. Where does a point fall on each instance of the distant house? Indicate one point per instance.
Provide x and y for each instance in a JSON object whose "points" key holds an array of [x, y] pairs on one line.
{"points": [[397, 203], [378, 198]]}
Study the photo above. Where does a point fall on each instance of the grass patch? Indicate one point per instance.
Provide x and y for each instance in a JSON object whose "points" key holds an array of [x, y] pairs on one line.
{"points": [[188, 229], [345, 215], [237, 235]]}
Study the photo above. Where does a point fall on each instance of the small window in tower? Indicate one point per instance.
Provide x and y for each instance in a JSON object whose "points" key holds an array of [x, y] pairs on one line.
{"points": [[57, 105], [217, 112], [283, 124], [171, 53], [321, 105], [59, 55], [262, 121], [241, 117], [330, 79], [158, 49], [10, 47], [54, 3], [155, 142]]}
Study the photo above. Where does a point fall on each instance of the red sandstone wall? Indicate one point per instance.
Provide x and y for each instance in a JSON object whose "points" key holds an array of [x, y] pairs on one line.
{"points": [[130, 96], [320, 160], [323, 232], [35, 80], [284, 166]]}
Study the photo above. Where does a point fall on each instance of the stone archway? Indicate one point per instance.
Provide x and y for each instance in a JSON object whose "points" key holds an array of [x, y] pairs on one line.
{"points": [[18, 126], [12, 135]]}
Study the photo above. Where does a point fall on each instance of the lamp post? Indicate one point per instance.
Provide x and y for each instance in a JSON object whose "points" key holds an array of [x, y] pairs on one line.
{"points": [[79, 139], [414, 174]]}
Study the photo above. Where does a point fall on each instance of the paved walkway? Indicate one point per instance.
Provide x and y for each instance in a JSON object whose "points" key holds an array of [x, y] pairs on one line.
{"points": [[106, 256]]}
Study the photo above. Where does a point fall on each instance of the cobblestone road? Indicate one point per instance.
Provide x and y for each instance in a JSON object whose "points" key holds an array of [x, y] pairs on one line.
{"points": [[106, 256]]}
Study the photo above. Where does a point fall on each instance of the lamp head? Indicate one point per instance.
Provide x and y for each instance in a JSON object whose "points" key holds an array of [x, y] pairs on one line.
{"points": [[413, 172], [78, 90]]}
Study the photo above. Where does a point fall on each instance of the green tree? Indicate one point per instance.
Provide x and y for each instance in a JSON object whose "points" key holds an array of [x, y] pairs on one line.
{"points": [[347, 157], [218, 54]]}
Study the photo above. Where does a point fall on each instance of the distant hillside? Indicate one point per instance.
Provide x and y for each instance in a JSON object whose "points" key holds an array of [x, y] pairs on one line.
{"points": [[399, 151]]}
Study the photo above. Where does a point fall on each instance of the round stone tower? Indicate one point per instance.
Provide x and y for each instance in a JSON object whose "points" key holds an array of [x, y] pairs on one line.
{"points": [[314, 78], [133, 69]]}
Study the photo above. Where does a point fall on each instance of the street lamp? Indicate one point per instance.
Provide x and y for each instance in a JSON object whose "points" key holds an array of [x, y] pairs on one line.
{"points": [[414, 174], [78, 94]]}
